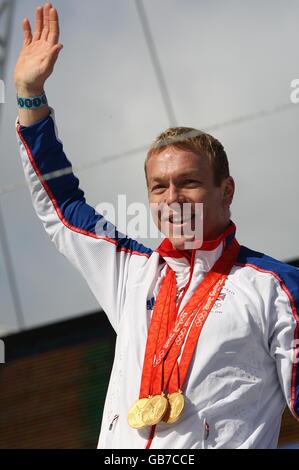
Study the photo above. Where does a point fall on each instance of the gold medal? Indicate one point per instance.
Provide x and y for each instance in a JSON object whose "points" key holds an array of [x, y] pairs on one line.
{"points": [[176, 403], [135, 413], [154, 410]]}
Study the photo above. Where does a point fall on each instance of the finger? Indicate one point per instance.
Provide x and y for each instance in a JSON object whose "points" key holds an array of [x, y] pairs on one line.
{"points": [[38, 23], [46, 21], [54, 27], [27, 32]]}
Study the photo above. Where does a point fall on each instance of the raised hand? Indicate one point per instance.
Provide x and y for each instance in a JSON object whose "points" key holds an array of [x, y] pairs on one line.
{"points": [[39, 52]]}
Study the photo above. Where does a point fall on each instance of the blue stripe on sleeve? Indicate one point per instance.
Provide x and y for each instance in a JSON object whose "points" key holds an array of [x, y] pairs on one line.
{"points": [[49, 157]]}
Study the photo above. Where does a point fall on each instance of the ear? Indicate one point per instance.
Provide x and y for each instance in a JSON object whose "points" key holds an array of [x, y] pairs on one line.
{"points": [[228, 191]]}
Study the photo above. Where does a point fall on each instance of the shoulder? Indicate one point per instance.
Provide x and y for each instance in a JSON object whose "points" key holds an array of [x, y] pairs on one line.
{"points": [[286, 274], [265, 263]]}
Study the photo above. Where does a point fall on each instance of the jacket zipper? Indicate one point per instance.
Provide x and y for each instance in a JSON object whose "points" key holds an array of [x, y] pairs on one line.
{"points": [[153, 428]]}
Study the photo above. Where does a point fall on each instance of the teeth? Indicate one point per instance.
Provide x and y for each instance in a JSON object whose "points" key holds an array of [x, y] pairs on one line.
{"points": [[184, 219], [177, 220]]}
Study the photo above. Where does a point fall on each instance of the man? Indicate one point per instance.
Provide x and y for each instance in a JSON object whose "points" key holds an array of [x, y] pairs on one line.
{"points": [[207, 337]]}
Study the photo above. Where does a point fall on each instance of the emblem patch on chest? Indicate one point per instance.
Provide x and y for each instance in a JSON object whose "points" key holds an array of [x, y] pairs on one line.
{"points": [[217, 308]]}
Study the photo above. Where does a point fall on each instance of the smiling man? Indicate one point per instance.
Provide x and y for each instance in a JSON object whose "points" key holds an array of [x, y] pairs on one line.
{"points": [[186, 166], [207, 337]]}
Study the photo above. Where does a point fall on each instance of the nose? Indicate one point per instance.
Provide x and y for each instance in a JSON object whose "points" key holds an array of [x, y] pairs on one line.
{"points": [[173, 194]]}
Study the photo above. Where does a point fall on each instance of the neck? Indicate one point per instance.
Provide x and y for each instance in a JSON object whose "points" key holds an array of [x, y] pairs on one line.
{"points": [[166, 249], [214, 234]]}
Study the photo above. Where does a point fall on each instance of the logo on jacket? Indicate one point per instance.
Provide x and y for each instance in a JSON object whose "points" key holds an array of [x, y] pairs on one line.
{"points": [[221, 297], [217, 308], [150, 303]]}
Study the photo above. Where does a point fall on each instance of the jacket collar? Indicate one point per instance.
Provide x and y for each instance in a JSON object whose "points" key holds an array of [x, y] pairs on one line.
{"points": [[203, 257]]}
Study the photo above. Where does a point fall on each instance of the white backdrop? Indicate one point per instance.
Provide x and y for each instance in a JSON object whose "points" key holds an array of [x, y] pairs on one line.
{"points": [[222, 61]]}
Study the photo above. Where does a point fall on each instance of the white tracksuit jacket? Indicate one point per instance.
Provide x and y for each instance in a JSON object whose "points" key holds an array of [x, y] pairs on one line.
{"points": [[245, 366]]}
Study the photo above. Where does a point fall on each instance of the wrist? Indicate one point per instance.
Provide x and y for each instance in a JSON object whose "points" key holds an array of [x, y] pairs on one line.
{"points": [[28, 92]]}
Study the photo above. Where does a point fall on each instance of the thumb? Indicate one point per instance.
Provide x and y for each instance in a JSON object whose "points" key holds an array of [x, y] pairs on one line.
{"points": [[55, 51], [57, 48], [53, 56]]}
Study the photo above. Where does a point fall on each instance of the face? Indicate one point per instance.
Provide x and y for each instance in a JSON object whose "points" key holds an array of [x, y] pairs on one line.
{"points": [[178, 176]]}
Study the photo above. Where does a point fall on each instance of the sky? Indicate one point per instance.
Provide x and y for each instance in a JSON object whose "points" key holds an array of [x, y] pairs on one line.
{"points": [[228, 66]]}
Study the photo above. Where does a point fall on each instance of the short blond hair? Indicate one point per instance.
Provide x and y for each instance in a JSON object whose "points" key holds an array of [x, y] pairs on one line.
{"points": [[199, 142]]}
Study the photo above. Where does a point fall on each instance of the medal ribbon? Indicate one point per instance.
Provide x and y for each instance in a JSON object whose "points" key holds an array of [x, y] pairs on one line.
{"points": [[162, 352], [161, 303], [162, 335], [195, 314]]}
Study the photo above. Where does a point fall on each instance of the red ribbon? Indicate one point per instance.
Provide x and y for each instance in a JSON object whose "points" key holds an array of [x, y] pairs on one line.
{"points": [[168, 331]]}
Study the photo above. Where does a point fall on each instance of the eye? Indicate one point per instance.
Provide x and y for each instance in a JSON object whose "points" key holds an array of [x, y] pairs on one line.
{"points": [[158, 187], [192, 182]]}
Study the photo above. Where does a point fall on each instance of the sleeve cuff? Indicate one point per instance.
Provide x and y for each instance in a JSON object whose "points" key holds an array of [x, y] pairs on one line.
{"points": [[32, 126]]}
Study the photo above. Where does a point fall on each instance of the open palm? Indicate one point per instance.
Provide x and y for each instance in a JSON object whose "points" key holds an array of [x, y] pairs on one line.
{"points": [[40, 50]]}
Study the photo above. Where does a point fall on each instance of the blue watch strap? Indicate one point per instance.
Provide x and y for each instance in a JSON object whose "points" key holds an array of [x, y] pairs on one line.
{"points": [[33, 102]]}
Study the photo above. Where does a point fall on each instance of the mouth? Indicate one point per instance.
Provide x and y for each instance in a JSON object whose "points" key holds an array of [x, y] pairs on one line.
{"points": [[178, 220]]}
